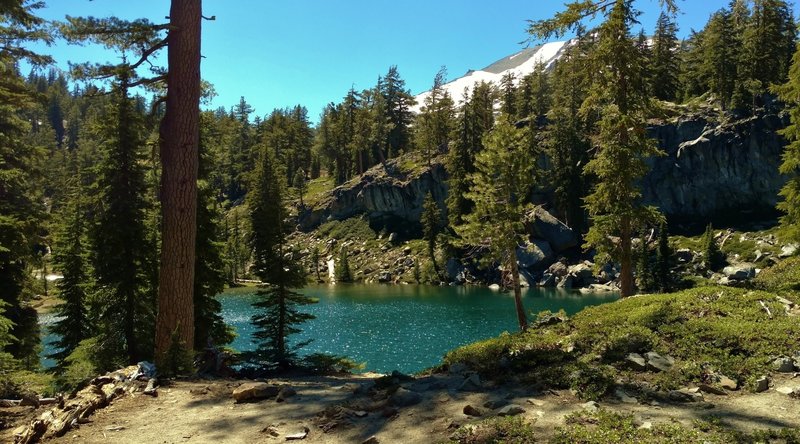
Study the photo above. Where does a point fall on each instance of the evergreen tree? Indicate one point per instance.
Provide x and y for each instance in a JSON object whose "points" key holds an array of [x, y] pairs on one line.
{"points": [[790, 167], [430, 219], [768, 44], [623, 143], [20, 210], [315, 263], [719, 52], [71, 258], [299, 183], [277, 307], [342, 271], [508, 94], [534, 95], [665, 69], [664, 261], [209, 268], [644, 268], [436, 119], [501, 187], [121, 247], [712, 256], [398, 102], [459, 163]]}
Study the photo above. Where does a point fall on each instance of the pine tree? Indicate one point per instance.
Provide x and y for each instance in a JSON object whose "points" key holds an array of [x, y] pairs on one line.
{"points": [[501, 187], [719, 53], [315, 263], [121, 248], [342, 271], [617, 95], [665, 69], [712, 256], [663, 261], [430, 219], [71, 258], [436, 119], [398, 102], [209, 268], [277, 307], [300, 185], [644, 268], [768, 44], [508, 94], [790, 167], [459, 163]]}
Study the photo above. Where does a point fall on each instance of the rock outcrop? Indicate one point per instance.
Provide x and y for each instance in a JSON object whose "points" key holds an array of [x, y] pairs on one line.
{"points": [[713, 168]]}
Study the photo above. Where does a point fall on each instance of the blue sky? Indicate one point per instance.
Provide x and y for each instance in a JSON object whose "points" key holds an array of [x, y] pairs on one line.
{"points": [[278, 53]]}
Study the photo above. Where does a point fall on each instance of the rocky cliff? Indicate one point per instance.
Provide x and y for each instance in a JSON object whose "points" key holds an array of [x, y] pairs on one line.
{"points": [[714, 165]]}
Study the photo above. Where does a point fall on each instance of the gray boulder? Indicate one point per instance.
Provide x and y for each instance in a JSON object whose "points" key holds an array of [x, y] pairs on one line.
{"points": [[740, 272], [511, 410], [659, 363], [534, 253], [544, 225], [253, 391]]}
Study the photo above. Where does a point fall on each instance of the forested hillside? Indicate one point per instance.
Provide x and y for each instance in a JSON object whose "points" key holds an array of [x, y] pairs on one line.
{"points": [[626, 136]]}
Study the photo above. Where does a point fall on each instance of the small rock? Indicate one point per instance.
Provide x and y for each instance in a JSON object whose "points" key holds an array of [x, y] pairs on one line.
{"points": [[494, 287], [271, 431], [783, 364], [647, 425], [762, 384], [298, 435], [590, 406], [511, 410], [636, 361], [786, 390], [360, 413], [536, 402], [371, 440], [727, 383], [150, 390], [685, 395], [393, 237], [254, 391], [658, 362], [625, 398], [788, 250], [707, 388], [469, 410], [407, 251], [405, 398]]}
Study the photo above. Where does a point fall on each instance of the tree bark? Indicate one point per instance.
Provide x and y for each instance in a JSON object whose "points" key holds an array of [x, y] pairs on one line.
{"points": [[179, 139], [521, 318], [626, 258]]}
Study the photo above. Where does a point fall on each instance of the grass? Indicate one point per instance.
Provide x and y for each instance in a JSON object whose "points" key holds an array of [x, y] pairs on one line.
{"points": [[705, 329], [318, 190], [353, 229]]}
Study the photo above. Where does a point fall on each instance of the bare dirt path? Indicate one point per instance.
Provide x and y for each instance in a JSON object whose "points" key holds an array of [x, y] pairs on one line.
{"points": [[346, 410]]}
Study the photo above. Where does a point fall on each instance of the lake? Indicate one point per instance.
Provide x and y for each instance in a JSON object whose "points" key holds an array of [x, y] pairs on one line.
{"points": [[400, 327]]}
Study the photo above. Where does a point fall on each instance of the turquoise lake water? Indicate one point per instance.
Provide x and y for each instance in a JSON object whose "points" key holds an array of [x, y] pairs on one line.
{"points": [[400, 327]]}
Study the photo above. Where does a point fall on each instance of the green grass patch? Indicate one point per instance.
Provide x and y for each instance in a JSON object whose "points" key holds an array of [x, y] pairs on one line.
{"points": [[705, 329], [508, 430], [614, 428], [353, 229], [318, 190], [783, 278]]}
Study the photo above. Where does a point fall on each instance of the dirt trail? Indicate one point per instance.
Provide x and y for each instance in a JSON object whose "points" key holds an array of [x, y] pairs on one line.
{"points": [[342, 410]]}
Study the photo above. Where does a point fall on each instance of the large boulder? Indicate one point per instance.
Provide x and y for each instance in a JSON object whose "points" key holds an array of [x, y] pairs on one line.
{"points": [[544, 225], [534, 254], [740, 272]]}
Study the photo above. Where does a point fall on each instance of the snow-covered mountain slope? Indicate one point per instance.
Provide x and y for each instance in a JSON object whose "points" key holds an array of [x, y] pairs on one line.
{"points": [[520, 64]]}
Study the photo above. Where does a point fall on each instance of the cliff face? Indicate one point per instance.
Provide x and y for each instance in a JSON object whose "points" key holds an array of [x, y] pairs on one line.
{"points": [[709, 169], [390, 195], [712, 169]]}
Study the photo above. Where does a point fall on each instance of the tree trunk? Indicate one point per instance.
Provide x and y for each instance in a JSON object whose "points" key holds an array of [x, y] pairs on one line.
{"points": [[626, 258], [521, 318], [180, 139]]}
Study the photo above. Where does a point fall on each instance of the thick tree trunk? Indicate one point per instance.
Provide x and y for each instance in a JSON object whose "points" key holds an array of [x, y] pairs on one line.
{"points": [[521, 318], [626, 258], [180, 138]]}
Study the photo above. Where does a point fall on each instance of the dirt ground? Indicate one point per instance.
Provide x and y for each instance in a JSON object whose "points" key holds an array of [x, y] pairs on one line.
{"points": [[342, 410]]}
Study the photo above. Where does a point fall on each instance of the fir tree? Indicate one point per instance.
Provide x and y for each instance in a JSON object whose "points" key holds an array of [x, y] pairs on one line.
{"points": [[459, 163], [300, 185], [501, 187], [712, 256], [71, 258], [664, 261], [719, 51], [430, 219], [315, 263], [342, 271], [122, 249], [665, 69], [623, 143], [277, 307], [644, 268], [436, 119], [790, 167], [398, 102]]}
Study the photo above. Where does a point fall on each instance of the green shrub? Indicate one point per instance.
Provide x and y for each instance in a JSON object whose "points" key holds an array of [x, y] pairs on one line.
{"points": [[505, 430]]}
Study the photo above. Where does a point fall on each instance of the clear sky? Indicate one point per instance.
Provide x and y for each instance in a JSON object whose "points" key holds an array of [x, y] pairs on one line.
{"points": [[278, 53]]}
